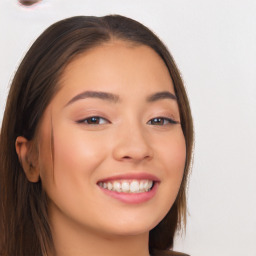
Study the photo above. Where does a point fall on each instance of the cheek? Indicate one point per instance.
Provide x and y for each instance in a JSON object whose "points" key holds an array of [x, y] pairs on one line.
{"points": [[172, 152], [172, 156], [71, 181], [75, 147], [77, 155]]}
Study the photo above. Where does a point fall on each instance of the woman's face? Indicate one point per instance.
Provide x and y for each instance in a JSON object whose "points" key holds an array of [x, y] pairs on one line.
{"points": [[115, 130]]}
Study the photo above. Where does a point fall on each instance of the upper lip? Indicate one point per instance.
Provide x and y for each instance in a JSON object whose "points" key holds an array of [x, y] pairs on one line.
{"points": [[131, 176]]}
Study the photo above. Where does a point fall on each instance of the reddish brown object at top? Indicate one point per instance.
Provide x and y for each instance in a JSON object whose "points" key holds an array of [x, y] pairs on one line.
{"points": [[28, 2]]}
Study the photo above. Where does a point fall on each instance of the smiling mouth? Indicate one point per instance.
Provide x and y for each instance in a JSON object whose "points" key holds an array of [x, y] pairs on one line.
{"points": [[128, 186]]}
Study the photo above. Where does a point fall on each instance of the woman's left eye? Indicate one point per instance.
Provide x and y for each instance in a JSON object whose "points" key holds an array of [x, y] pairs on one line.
{"points": [[161, 121], [94, 120]]}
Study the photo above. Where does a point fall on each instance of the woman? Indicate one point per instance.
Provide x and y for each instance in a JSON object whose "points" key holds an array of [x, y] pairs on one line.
{"points": [[96, 143]]}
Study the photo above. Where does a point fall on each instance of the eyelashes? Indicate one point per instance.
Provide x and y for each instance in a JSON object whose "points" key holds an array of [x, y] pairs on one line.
{"points": [[161, 121], [94, 120], [98, 120]]}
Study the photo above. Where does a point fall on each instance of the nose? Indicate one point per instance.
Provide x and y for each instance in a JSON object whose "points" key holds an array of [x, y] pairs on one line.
{"points": [[132, 144]]}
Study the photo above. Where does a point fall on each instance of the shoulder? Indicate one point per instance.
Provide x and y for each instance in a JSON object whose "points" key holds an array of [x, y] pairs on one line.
{"points": [[178, 254], [167, 253]]}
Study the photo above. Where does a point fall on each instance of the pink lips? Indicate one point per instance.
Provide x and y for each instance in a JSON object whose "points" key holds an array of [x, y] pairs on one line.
{"points": [[132, 198]]}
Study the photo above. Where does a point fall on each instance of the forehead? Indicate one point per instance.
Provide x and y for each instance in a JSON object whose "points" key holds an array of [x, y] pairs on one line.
{"points": [[117, 66]]}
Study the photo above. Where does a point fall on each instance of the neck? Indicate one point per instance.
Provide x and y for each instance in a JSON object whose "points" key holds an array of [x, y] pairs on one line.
{"points": [[71, 239]]}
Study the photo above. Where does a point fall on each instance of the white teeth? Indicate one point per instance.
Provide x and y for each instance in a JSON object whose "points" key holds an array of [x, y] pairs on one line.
{"points": [[117, 186], [150, 183], [135, 187], [110, 186], [145, 185], [125, 186], [141, 185]]}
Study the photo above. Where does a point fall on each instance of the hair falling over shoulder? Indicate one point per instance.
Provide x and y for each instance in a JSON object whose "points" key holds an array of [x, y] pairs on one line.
{"points": [[25, 228]]}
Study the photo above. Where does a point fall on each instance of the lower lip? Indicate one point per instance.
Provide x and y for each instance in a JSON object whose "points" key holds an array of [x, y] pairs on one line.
{"points": [[132, 198]]}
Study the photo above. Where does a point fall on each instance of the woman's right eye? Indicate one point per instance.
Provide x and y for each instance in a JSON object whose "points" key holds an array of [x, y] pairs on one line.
{"points": [[93, 120]]}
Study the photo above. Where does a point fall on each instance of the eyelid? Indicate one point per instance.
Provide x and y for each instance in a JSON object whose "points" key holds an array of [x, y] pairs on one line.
{"points": [[83, 121], [171, 121]]}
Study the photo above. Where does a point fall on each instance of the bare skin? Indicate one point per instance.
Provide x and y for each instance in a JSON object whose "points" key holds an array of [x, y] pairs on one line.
{"points": [[134, 132]]}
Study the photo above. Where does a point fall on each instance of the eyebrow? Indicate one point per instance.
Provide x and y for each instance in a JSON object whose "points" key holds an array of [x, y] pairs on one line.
{"points": [[160, 96], [95, 94], [115, 98]]}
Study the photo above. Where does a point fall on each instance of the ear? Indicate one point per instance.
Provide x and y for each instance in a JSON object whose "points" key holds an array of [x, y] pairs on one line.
{"points": [[27, 158]]}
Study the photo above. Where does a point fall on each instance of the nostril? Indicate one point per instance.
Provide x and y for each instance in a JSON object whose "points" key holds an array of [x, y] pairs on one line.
{"points": [[126, 157]]}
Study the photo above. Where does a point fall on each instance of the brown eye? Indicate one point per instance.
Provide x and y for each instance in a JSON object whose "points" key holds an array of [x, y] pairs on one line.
{"points": [[157, 121], [161, 121], [93, 120]]}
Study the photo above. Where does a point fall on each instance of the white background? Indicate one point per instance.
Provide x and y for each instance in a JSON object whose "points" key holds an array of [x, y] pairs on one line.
{"points": [[214, 45]]}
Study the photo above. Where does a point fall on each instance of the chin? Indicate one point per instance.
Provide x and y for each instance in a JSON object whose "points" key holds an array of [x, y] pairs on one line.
{"points": [[132, 227]]}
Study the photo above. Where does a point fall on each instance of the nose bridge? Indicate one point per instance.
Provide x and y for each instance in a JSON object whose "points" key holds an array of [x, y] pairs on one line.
{"points": [[132, 141]]}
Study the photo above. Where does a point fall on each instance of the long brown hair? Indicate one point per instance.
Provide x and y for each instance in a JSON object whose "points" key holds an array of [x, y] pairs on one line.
{"points": [[25, 225]]}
